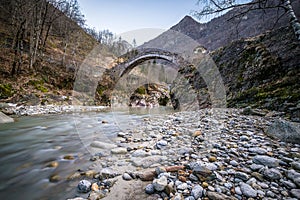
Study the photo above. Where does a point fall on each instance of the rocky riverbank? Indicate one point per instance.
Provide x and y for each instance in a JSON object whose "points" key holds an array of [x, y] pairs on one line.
{"points": [[23, 110], [207, 154]]}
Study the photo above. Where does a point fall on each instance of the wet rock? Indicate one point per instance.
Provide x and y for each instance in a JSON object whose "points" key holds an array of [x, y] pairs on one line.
{"points": [[53, 164], [76, 175], [247, 190], [54, 178], [272, 174], [266, 160], [160, 184], [197, 191], [69, 157], [90, 173], [84, 186]]}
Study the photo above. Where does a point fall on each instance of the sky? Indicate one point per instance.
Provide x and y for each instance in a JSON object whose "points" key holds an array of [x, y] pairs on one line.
{"points": [[124, 16]]}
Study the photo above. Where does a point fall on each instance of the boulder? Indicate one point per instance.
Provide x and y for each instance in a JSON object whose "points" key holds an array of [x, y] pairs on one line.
{"points": [[285, 131], [5, 119]]}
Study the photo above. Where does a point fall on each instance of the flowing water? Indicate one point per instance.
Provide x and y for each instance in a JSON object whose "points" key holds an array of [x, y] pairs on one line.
{"points": [[31, 143]]}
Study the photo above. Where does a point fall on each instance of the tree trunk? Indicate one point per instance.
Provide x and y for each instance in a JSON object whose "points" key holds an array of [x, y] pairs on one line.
{"points": [[293, 18]]}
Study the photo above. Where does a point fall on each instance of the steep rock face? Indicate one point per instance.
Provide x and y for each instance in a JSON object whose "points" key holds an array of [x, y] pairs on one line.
{"points": [[261, 72]]}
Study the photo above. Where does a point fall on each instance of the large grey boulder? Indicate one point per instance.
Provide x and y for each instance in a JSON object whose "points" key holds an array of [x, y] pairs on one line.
{"points": [[5, 119], [285, 131]]}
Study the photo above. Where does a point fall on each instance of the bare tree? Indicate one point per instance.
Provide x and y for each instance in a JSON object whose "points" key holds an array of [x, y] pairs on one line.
{"points": [[71, 9], [217, 7]]}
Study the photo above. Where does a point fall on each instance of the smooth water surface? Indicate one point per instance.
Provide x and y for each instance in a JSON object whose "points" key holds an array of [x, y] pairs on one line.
{"points": [[31, 143]]}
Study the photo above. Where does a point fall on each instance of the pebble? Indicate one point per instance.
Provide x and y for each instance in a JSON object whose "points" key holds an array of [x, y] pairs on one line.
{"points": [[161, 144], [266, 160], [244, 138], [219, 196], [126, 177], [197, 191], [234, 163], [296, 193], [95, 187], [54, 178], [119, 150], [257, 150], [255, 167], [196, 133], [84, 186], [160, 184], [247, 190], [272, 174], [149, 189], [294, 176], [296, 165], [212, 159], [182, 186], [241, 175]]}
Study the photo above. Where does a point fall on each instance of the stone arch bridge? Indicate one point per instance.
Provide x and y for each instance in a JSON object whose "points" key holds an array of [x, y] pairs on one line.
{"points": [[187, 85], [128, 62]]}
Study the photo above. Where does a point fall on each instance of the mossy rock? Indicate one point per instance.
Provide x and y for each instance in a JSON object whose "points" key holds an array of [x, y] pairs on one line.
{"points": [[39, 85], [141, 90], [6, 91]]}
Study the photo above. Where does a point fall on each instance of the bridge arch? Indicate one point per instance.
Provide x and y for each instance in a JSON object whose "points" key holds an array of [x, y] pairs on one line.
{"points": [[116, 79]]}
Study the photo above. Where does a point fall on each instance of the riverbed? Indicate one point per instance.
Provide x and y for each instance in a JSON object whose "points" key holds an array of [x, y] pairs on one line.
{"points": [[33, 144], [209, 153]]}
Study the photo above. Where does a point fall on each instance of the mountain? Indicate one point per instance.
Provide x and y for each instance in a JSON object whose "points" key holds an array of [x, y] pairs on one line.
{"points": [[222, 30]]}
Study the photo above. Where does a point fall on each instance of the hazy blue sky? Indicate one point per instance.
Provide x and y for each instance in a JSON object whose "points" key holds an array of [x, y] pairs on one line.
{"points": [[126, 15]]}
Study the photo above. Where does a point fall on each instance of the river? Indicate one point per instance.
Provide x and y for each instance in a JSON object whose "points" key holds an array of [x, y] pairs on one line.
{"points": [[31, 143]]}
